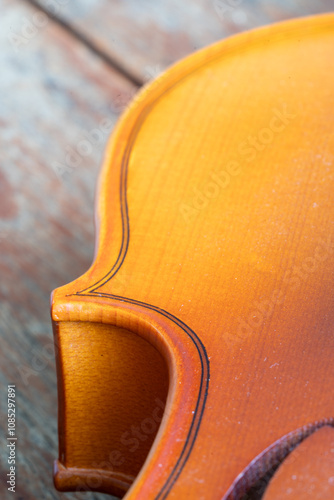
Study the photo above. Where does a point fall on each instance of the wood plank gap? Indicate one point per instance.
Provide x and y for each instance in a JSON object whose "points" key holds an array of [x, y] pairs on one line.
{"points": [[122, 69]]}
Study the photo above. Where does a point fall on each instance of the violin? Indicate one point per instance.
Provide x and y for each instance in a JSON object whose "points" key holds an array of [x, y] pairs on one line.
{"points": [[195, 356]]}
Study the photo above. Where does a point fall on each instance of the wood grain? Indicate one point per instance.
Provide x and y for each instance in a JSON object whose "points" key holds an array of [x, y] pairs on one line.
{"points": [[216, 246], [145, 37], [54, 94], [112, 440], [308, 472]]}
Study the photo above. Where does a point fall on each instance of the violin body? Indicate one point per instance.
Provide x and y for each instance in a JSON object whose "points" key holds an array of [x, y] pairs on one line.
{"points": [[197, 351]]}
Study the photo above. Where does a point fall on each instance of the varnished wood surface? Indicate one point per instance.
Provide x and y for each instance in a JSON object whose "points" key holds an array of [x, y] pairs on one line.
{"points": [[215, 245], [307, 474], [54, 90]]}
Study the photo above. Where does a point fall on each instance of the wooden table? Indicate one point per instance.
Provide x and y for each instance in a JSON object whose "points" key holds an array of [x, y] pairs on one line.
{"points": [[68, 70]]}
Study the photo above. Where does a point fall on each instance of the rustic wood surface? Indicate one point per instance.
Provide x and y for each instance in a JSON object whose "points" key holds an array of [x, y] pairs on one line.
{"points": [[147, 36], [61, 80]]}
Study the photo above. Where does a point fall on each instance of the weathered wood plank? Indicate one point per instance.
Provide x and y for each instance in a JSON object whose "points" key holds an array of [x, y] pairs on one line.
{"points": [[145, 37], [58, 104]]}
